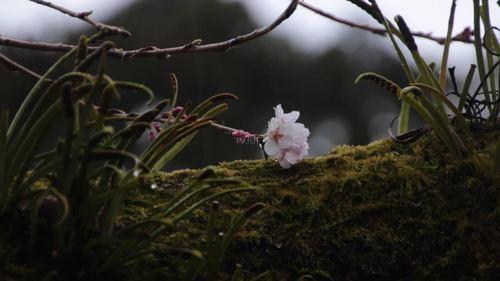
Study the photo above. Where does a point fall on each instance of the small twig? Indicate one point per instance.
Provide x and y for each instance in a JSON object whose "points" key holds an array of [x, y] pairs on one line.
{"points": [[84, 16], [464, 36], [378, 31], [233, 130], [14, 66], [152, 51]]}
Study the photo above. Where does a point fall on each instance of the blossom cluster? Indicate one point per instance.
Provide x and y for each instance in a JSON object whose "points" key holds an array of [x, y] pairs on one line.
{"points": [[286, 140]]}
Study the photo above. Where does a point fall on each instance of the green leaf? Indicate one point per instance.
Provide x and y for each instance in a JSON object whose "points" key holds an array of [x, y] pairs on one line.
{"points": [[369, 9], [20, 159], [434, 118], [99, 198], [64, 202], [181, 141], [137, 87], [479, 49], [490, 42], [379, 80], [179, 138], [119, 173], [91, 58], [110, 154], [221, 250], [466, 87], [178, 202], [404, 118], [447, 42], [212, 100], [4, 123], [36, 204], [16, 122], [216, 110], [45, 103], [175, 88], [237, 224], [191, 208], [437, 95], [192, 269]]}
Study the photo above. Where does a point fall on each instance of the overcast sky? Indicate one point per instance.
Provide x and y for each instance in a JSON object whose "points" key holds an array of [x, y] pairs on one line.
{"points": [[305, 30]]}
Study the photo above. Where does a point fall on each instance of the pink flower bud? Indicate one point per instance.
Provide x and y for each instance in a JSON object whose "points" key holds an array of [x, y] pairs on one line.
{"points": [[241, 134], [176, 110], [155, 131]]}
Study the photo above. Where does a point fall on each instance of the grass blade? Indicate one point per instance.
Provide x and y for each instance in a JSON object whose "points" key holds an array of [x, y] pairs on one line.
{"points": [[447, 42], [465, 89], [479, 49]]}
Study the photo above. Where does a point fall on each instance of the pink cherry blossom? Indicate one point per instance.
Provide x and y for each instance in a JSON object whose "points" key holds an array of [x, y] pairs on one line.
{"points": [[285, 139]]}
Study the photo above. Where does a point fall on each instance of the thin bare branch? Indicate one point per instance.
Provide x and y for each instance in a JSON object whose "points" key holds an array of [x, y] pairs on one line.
{"points": [[194, 46], [84, 16], [464, 36], [378, 31], [14, 66]]}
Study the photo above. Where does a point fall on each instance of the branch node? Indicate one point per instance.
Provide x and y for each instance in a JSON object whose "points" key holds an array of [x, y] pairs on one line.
{"points": [[85, 14]]}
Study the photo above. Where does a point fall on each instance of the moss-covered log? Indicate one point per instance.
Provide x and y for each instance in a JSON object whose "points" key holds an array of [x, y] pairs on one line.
{"points": [[378, 212]]}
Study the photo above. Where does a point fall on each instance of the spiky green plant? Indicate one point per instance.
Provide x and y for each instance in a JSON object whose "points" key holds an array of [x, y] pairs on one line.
{"points": [[82, 183], [426, 93]]}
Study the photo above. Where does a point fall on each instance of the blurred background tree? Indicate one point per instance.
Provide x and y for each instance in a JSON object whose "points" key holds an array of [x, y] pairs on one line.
{"points": [[262, 73]]}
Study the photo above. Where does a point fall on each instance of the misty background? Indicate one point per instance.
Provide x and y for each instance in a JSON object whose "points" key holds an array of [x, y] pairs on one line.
{"points": [[308, 64]]}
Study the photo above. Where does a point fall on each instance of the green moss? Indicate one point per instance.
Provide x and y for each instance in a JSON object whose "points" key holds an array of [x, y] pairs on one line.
{"points": [[377, 212], [382, 211]]}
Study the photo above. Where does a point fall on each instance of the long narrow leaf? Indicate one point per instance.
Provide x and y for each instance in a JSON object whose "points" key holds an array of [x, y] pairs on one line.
{"points": [[22, 155], [181, 141], [101, 197], [447, 42], [61, 198], [465, 89], [436, 93], [4, 123], [439, 123], [212, 100], [109, 154], [16, 122], [479, 49], [209, 198], [240, 221], [491, 42], [175, 88]]}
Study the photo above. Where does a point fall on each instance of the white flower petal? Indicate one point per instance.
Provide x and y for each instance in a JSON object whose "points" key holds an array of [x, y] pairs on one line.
{"points": [[278, 111], [271, 147], [290, 117], [285, 141], [285, 164], [274, 124], [292, 157]]}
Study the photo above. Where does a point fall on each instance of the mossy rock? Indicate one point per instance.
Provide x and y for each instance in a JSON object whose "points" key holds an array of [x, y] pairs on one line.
{"points": [[383, 211], [377, 212]]}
